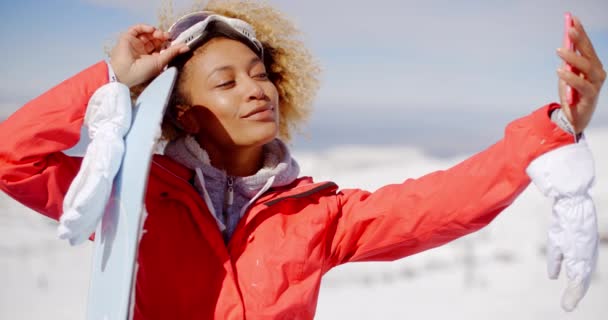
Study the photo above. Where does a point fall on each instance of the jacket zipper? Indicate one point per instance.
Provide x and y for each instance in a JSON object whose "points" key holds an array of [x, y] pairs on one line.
{"points": [[228, 201], [229, 195]]}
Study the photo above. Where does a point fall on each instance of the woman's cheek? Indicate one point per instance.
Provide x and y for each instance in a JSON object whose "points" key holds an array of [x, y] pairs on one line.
{"points": [[225, 107]]}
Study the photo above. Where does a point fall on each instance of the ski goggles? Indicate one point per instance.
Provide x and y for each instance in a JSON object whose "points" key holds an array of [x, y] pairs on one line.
{"points": [[192, 28]]}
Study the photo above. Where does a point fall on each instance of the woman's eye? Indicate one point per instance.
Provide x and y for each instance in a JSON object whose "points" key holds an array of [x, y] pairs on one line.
{"points": [[225, 84], [262, 75]]}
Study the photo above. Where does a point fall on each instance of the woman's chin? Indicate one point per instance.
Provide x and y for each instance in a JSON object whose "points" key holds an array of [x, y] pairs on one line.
{"points": [[260, 134]]}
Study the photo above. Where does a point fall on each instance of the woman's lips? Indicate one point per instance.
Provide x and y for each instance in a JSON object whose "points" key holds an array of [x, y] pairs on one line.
{"points": [[261, 113]]}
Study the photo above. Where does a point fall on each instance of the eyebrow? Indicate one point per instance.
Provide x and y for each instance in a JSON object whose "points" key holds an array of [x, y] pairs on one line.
{"points": [[253, 61]]}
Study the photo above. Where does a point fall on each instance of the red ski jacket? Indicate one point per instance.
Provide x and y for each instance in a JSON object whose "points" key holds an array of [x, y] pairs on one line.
{"points": [[290, 237]]}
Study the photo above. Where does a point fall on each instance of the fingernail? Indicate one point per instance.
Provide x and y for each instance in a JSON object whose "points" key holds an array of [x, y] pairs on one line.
{"points": [[573, 32], [560, 51]]}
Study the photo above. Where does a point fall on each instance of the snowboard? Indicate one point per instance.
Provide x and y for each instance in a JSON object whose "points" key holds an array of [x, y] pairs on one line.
{"points": [[114, 269]]}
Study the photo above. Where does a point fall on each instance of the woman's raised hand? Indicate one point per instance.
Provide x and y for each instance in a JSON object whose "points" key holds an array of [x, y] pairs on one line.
{"points": [[137, 56], [588, 84]]}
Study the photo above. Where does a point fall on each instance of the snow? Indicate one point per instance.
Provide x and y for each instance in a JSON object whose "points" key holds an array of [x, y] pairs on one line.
{"points": [[497, 273]]}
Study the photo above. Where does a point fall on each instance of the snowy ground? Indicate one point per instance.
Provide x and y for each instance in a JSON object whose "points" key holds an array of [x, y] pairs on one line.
{"points": [[497, 273]]}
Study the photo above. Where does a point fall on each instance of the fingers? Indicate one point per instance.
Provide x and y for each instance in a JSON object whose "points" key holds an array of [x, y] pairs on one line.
{"points": [[579, 276], [159, 38], [151, 38], [582, 85], [554, 262], [139, 55], [574, 292], [167, 55], [585, 47], [580, 63], [147, 43], [594, 74], [579, 223], [554, 254], [138, 29], [582, 42]]}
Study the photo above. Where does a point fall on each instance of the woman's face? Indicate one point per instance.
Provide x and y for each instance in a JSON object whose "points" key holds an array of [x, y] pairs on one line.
{"points": [[234, 103]]}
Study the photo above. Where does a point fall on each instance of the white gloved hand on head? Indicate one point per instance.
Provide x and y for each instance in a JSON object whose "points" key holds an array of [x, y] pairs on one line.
{"points": [[108, 118], [565, 175]]}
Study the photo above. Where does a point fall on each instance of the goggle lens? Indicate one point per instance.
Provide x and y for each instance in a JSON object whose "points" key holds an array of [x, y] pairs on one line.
{"points": [[184, 23]]}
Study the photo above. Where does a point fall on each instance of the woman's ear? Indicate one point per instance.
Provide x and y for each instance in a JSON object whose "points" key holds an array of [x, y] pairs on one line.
{"points": [[187, 119]]}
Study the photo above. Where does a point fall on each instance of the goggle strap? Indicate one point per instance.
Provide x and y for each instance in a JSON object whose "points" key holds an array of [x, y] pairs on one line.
{"points": [[196, 31]]}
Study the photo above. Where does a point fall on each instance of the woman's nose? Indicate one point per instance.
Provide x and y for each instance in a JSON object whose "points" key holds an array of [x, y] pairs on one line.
{"points": [[255, 90]]}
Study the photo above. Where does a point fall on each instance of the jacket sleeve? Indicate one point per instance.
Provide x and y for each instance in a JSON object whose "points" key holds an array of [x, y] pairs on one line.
{"points": [[402, 219], [33, 169]]}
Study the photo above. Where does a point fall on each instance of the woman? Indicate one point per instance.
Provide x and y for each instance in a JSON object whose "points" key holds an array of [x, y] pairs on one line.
{"points": [[233, 231]]}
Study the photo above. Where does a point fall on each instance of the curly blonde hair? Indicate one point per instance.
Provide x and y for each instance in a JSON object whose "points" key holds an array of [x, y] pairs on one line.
{"points": [[290, 65]]}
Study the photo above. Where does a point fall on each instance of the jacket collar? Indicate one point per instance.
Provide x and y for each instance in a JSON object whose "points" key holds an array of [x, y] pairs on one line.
{"points": [[278, 164], [171, 171]]}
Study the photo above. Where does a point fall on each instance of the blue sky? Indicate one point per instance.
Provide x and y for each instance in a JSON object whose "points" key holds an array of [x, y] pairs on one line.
{"points": [[409, 55]]}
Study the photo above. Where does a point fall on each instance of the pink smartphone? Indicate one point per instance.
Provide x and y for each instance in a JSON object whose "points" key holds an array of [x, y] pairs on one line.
{"points": [[572, 94]]}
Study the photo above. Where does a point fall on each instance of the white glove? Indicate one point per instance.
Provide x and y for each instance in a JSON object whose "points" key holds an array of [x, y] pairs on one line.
{"points": [[566, 175], [108, 118]]}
